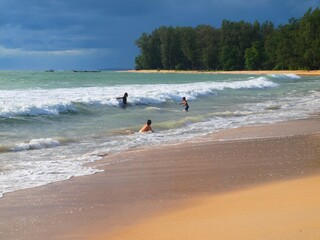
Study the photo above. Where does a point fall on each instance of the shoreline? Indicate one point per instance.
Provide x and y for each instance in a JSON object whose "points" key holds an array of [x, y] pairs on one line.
{"points": [[256, 72], [141, 185]]}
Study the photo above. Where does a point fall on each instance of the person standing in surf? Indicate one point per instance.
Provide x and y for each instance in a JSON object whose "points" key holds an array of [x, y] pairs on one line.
{"points": [[124, 99], [185, 104]]}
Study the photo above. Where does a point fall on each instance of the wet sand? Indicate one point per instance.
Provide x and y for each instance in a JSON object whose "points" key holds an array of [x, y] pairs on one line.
{"points": [[259, 182]]}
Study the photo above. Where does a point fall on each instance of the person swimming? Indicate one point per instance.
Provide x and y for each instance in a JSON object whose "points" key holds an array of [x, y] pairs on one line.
{"points": [[147, 127], [185, 104]]}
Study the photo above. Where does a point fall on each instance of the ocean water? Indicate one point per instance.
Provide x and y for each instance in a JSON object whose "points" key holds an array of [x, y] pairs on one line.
{"points": [[53, 123]]}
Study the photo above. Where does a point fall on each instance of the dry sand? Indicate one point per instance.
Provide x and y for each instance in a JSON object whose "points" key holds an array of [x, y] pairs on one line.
{"points": [[263, 185], [258, 72], [287, 210]]}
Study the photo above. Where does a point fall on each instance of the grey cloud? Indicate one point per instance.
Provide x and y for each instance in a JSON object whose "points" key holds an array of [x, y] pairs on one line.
{"points": [[63, 25]]}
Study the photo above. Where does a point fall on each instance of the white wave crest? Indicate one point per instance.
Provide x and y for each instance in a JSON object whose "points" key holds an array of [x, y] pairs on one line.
{"points": [[36, 144], [285, 76], [35, 102]]}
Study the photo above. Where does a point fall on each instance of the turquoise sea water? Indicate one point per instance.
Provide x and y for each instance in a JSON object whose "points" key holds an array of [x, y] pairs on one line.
{"points": [[52, 123]]}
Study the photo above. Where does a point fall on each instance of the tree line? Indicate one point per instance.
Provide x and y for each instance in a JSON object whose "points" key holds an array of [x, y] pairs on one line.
{"points": [[234, 46]]}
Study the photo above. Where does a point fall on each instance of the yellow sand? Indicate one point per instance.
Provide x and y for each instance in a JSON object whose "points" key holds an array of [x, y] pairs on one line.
{"points": [[288, 211]]}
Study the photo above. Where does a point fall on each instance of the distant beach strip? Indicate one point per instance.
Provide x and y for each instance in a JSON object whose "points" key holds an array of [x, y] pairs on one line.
{"points": [[262, 72]]}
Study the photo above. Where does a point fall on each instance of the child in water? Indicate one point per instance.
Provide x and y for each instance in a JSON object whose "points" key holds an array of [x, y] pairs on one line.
{"points": [[147, 127], [185, 104]]}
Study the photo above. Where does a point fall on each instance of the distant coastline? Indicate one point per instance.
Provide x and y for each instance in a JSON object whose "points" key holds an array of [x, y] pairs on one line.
{"points": [[258, 72]]}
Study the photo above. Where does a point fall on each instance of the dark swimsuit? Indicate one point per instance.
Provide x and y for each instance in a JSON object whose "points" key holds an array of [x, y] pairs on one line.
{"points": [[187, 107], [124, 100]]}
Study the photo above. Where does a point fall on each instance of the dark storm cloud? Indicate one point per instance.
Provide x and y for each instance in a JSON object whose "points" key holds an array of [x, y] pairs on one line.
{"points": [[52, 14], [103, 32], [77, 22]]}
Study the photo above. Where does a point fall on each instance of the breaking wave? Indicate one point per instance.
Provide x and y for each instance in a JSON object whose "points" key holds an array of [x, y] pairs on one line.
{"points": [[36, 102], [36, 144]]}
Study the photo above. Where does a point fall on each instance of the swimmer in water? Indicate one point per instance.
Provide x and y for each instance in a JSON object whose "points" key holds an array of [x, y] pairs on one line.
{"points": [[124, 98], [185, 104], [146, 127]]}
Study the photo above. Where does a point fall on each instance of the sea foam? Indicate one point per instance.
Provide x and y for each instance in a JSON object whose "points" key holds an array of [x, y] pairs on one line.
{"points": [[36, 144], [36, 102], [284, 76]]}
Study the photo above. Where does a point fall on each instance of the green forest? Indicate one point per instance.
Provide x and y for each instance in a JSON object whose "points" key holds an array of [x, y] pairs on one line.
{"points": [[234, 46]]}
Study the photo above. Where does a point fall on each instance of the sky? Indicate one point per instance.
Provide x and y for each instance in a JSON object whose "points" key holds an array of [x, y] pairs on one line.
{"points": [[101, 34]]}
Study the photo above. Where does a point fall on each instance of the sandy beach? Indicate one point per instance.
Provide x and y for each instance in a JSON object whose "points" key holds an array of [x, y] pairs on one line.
{"points": [[257, 72], [258, 182], [286, 210]]}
